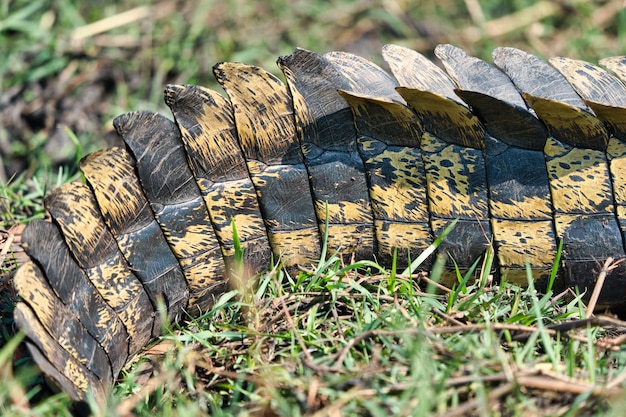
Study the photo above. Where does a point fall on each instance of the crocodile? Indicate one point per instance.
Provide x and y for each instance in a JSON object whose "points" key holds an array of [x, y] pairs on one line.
{"points": [[522, 154]]}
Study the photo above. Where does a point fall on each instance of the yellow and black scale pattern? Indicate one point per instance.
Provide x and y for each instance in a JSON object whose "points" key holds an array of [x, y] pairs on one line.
{"points": [[524, 154]]}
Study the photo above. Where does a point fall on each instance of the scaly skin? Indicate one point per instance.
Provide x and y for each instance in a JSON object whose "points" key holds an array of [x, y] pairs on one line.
{"points": [[523, 157]]}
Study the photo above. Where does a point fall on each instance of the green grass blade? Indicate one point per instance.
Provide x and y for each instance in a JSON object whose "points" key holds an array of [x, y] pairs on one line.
{"points": [[431, 249]]}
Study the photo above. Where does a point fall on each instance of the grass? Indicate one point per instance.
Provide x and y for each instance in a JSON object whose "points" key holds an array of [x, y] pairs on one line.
{"points": [[336, 339], [346, 340]]}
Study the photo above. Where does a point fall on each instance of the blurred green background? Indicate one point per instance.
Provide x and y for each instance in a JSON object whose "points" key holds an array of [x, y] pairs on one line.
{"points": [[69, 67]]}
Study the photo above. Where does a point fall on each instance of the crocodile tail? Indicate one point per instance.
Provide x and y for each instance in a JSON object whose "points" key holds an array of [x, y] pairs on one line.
{"points": [[523, 154]]}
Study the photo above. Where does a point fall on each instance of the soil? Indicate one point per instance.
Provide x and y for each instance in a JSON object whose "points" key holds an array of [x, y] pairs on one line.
{"points": [[75, 99]]}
